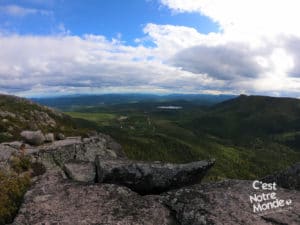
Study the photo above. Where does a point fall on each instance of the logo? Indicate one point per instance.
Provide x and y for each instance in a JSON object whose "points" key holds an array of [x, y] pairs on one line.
{"points": [[267, 201]]}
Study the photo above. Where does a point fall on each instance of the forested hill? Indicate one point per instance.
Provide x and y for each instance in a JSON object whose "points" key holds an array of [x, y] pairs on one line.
{"points": [[251, 116]]}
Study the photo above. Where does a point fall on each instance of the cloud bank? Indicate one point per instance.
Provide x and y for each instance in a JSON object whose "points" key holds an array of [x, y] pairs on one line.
{"points": [[256, 51], [72, 63]]}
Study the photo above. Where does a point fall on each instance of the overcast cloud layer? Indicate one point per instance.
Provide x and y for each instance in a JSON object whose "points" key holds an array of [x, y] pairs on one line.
{"points": [[257, 50]]}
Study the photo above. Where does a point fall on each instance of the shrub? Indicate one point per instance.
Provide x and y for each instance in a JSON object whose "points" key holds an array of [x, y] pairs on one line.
{"points": [[14, 185], [12, 189], [20, 164]]}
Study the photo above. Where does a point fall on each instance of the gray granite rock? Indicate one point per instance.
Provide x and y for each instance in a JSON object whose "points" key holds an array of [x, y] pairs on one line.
{"points": [[80, 171], [154, 177], [74, 148], [53, 200], [49, 137], [33, 137], [55, 154], [228, 202]]}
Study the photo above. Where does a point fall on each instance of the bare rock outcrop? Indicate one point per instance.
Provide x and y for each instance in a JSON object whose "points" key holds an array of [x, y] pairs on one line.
{"points": [[57, 153], [150, 177], [74, 148], [80, 171], [228, 202], [53, 200]]}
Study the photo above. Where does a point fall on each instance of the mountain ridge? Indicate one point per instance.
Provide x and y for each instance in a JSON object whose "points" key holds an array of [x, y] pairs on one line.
{"points": [[252, 116]]}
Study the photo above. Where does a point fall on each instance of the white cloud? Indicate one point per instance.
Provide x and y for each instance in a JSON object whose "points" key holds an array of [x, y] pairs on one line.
{"points": [[72, 63], [252, 17], [19, 11]]}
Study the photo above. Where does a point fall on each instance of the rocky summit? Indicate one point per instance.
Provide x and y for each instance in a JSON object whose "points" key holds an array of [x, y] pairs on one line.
{"points": [[90, 181], [54, 200]]}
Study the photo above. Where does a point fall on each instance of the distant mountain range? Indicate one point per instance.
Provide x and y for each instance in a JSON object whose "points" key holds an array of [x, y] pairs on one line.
{"points": [[76, 101]]}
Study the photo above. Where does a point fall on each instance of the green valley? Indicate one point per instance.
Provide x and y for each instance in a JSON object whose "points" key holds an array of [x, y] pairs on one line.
{"points": [[249, 136]]}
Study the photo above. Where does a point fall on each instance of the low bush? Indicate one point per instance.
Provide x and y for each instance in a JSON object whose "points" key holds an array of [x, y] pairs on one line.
{"points": [[12, 189], [20, 164], [14, 184]]}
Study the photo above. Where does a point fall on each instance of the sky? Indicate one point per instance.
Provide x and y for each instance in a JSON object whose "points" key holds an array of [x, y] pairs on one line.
{"points": [[60, 47]]}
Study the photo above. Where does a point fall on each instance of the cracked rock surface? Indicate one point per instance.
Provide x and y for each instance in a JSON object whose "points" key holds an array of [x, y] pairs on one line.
{"points": [[228, 202], [54, 200]]}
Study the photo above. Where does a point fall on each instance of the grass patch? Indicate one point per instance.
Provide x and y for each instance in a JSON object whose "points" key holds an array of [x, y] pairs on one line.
{"points": [[102, 119]]}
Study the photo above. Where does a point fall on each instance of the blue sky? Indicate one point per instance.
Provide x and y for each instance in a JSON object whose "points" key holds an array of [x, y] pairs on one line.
{"points": [[110, 18], [160, 46]]}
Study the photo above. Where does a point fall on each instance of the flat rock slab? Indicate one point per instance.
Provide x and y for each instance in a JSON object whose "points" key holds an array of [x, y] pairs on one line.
{"points": [[228, 202], [53, 200], [146, 177], [80, 171]]}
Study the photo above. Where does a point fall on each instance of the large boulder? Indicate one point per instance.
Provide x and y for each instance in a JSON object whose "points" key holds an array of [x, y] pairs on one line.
{"points": [[53, 200], [228, 202], [60, 136], [288, 178], [80, 171], [146, 177], [33, 137], [49, 137]]}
